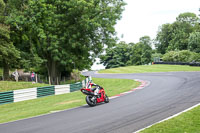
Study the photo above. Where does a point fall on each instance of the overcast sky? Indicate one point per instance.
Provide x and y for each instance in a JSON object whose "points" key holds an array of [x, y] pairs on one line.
{"points": [[143, 17]]}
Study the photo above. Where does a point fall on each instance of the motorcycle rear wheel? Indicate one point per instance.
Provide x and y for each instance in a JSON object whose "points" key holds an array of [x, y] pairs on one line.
{"points": [[91, 102]]}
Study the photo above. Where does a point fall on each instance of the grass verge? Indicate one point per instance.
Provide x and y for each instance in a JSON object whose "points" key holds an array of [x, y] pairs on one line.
{"points": [[188, 122], [26, 109], [12, 85], [150, 68]]}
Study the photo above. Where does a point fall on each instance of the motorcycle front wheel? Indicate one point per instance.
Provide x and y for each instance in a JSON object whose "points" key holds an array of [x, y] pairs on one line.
{"points": [[106, 100], [91, 100]]}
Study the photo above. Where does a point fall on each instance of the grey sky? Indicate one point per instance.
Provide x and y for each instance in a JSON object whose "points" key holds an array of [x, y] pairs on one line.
{"points": [[143, 17]]}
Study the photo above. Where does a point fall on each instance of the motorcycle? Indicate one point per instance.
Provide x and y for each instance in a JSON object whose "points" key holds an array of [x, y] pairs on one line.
{"points": [[95, 95]]}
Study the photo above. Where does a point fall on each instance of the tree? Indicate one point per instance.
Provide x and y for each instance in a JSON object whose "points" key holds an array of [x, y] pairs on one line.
{"points": [[147, 50], [188, 17], [194, 42], [175, 36], [136, 54], [163, 38], [117, 56], [142, 52], [19, 35], [128, 54], [8, 53], [146, 40], [185, 24], [63, 33], [2, 7]]}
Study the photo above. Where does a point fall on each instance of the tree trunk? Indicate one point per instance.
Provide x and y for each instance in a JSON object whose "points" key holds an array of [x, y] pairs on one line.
{"points": [[5, 70], [53, 72]]}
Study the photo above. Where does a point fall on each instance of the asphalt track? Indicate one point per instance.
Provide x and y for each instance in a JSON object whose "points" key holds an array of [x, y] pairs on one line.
{"points": [[168, 94]]}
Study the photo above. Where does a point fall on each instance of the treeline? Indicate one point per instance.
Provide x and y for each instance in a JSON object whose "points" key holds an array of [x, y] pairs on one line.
{"points": [[175, 42], [53, 37], [128, 54]]}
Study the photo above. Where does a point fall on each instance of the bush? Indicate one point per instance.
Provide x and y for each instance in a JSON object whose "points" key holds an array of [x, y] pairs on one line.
{"points": [[181, 56], [195, 57], [171, 56], [185, 56]]}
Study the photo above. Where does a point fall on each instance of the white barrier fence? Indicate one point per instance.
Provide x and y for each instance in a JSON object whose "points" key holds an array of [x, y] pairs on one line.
{"points": [[33, 93], [25, 94], [62, 89]]}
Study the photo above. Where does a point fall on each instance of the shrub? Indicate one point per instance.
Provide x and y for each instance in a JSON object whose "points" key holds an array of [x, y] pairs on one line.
{"points": [[181, 56], [171, 56], [184, 56], [195, 57]]}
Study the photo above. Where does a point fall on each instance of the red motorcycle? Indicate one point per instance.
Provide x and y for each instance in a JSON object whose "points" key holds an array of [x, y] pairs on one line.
{"points": [[95, 95]]}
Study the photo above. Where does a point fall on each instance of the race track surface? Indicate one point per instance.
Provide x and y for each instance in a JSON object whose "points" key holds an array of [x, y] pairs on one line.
{"points": [[167, 94]]}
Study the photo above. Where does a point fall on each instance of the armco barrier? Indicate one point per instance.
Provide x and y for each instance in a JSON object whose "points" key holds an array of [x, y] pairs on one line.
{"points": [[25, 94], [33, 93], [76, 86], [173, 63], [62, 89], [45, 91], [179, 63], [195, 64], [6, 97]]}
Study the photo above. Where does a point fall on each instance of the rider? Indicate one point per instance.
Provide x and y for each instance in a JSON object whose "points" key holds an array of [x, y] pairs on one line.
{"points": [[96, 89]]}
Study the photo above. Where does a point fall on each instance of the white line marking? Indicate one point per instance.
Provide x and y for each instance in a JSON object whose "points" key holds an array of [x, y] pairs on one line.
{"points": [[168, 118]]}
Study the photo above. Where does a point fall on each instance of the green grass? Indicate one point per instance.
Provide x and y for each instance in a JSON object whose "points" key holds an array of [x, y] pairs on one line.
{"points": [[26, 109], [188, 122], [150, 68], [12, 85], [116, 86]]}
